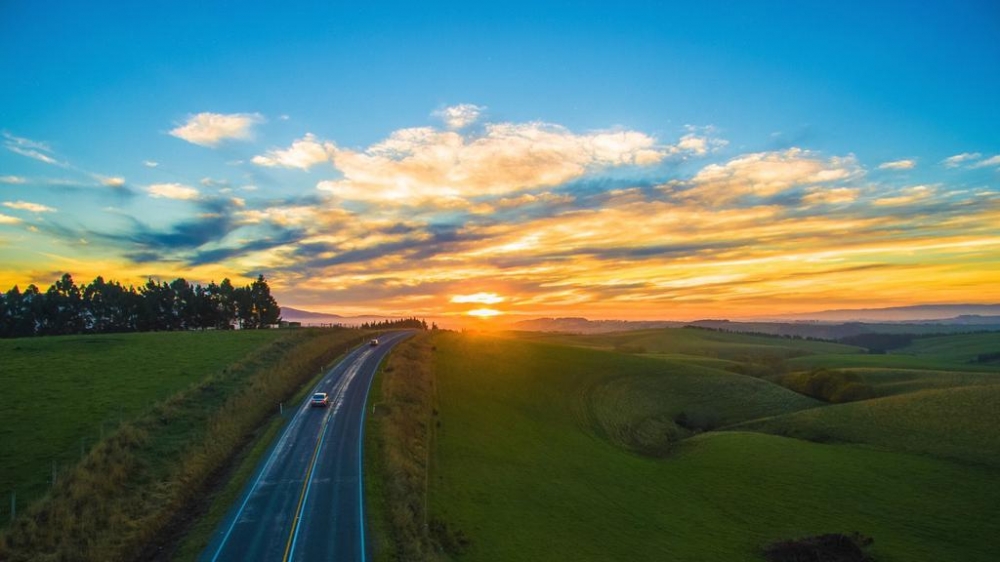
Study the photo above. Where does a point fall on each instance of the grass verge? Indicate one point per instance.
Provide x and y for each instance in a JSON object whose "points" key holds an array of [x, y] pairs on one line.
{"points": [[398, 440], [129, 496]]}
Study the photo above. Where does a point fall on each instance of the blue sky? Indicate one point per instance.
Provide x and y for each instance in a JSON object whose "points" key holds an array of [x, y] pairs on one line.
{"points": [[865, 102]]}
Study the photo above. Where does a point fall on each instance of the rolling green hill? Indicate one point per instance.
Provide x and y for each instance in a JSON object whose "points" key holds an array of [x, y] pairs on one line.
{"points": [[698, 343], [535, 457], [963, 348], [953, 423]]}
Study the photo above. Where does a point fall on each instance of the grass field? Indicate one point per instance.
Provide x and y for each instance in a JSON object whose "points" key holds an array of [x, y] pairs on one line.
{"points": [[136, 492], [535, 457], [963, 348], [61, 392], [703, 344]]}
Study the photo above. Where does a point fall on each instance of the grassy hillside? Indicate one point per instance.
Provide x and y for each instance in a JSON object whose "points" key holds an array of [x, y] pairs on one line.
{"points": [[955, 423], [699, 343], [647, 407], [962, 348], [891, 382], [135, 490], [61, 392], [525, 466], [888, 361]]}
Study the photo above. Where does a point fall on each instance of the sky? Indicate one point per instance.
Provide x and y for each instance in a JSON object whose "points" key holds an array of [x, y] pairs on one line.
{"points": [[625, 160]]}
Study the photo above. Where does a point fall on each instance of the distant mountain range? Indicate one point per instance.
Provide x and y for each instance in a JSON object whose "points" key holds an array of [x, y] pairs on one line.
{"points": [[308, 318], [832, 324], [296, 315], [918, 313]]}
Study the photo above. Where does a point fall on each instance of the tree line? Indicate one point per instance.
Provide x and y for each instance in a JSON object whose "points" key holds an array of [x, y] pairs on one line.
{"points": [[103, 307], [412, 322]]}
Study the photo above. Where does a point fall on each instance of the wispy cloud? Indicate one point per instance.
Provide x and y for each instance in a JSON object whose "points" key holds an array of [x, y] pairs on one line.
{"points": [[959, 159], [898, 165], [993, 161], [150, 163], [27, 206], [7, 219], [12, 179], [211, 129], [907, 196], [303, 154], [35, 150], [172, 191]]}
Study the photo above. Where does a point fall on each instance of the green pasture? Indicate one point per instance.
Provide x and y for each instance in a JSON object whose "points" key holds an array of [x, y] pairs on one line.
{"points": [[704, 344], [962, 348], [61, 394], [961, 424], [535, 456]]}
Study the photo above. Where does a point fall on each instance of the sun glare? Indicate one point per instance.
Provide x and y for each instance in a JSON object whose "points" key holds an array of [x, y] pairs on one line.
{"points": [[484, 313]]}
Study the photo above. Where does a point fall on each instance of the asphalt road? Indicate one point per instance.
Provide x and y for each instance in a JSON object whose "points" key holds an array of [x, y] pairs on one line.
{"points": [[306, 499]]}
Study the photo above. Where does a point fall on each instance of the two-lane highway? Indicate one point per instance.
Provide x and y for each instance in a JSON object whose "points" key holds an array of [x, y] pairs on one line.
{"points": [[306, 500]]}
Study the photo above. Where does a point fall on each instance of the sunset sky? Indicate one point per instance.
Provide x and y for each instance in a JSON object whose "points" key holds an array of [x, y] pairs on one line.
{"points": [[629, 160]]}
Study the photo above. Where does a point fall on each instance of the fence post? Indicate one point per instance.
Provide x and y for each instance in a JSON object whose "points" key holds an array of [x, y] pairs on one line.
{"points": [[281, 408]]}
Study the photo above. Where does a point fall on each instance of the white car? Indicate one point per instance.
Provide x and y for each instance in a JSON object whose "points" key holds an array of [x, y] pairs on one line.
{"points": [[373, 343], [320, 400]]}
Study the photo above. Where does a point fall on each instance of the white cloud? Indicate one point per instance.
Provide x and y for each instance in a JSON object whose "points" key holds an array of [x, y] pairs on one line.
{"points": [[303, 154], [699, 141], [210, 129], [424, 163], [991, 161], [6, 219], [765, 174], [459, 116], [959, 159], [27, 206], [12, 179], [835, 196], [113, 181], [172, 191], [898, 165], [150, 163]]}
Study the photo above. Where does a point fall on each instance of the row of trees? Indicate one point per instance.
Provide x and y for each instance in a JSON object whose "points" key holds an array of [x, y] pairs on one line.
{"points": [[109, 307], [412, 322]]}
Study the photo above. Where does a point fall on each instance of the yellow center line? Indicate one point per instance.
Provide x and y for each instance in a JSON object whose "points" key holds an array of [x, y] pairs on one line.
{"points": [[302, 495]]}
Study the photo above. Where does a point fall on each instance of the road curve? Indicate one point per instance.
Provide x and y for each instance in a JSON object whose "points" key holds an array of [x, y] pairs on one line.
{"points": [[306, 499]]}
